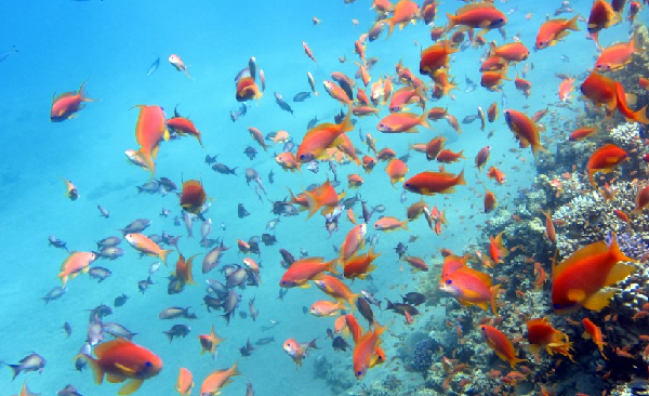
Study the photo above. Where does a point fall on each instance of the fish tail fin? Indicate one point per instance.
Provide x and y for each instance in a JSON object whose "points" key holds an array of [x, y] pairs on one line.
{"points": [[538, 147], [82, 93], [452, 21], [147, 158], [163, 255], [423, 121], [331, 267], [16, 370], [641, 116], [494, 296], [391, 24], [514, 361], [404, 225], [313, 203], [460, 179], [190, 265], [572, 24], [234, 370]]}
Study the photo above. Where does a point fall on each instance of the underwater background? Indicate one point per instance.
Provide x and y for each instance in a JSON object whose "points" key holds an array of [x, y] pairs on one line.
{"points": [[112, 44]]}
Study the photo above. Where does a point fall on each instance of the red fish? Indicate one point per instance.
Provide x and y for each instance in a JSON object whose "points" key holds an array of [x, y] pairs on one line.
{"points": [[591, 331], [554, 30], [541, 334], [578, 281], [324, 196], [604, 160], [525, 130], [120, 360], [602, 15], [471, 287], [500, 344], [183, 126], [618, 55], [482, 157], [308, 52], [603, 91], [217, 380], [364, 352], [405, 11], [247, 89], [66, 105], [322, 137], [298, 351], [479, 15], [565, 88], [304, 270], [360, 266], [430, 183], [495, 173], [150, 130], [396, 170], [193, 196], [435, 57]]}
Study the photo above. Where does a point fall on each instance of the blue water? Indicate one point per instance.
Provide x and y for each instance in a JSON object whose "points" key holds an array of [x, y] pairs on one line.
{"points": [[111, 44]]}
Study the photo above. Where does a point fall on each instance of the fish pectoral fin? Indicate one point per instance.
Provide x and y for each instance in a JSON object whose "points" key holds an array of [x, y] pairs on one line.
{"points": [[618, 273], [130, 387], [599, 300], [114, 378], [124, 368], [576, 295]]}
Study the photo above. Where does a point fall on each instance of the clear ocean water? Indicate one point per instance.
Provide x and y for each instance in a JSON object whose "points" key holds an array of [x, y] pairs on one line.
{"points": [[111, 44]]}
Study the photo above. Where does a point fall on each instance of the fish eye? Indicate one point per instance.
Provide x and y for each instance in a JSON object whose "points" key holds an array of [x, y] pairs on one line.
{"points": [[148, 364], [448, 281], [483, 328], [359, 373], [556, 306]]}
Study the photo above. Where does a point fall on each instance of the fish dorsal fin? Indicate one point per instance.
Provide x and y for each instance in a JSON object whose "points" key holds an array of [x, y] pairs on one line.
{"points": [[101, 349], [474, 6], [64, 95], [583, 253]]}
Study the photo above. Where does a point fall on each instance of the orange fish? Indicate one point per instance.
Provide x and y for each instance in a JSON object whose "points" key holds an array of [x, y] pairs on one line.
{"points": [[617, 55], [578, 281], [336, 92], [435, 57], [388, 224], [405, 11], [215, 382], [184, 270], [554, 30], [642, 199], [386, 154], [150, 130], [493, 79], [482, 157], [178, 63], [594, 333], [494, 173], [604, 159], [146, 246], [364, 352], [336, 289], [492, 112], [322, 137], [496, 249], [478, 15], [565, 88], [493, 63], [193, 196], [247, 89], [430, 183], [525, 130], [489, 201], [541, 334], [327, 308], [501, 345], [602, 15], [308, 52], [184, 126], [185, 382], [396, 170], [417, 264], [287, 161], [581, 133], [120, 360], [437, 113], [209, 342], [523, 85], [76, 263], [407, 95], [298, 351], [306, 269], [451, 264], [360, 266], [447, 156], [511, 52], [603, 91], [354, 241], [471, 287], [66, 105], [402, 122], [323, 196], [549, 227], [354, 181], [434, 147]]}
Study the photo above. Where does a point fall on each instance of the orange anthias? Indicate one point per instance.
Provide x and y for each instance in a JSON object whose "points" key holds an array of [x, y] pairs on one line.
{"points": [[322, 137], [310, 268], [479, 15], [430, 183], [604, 160], [324, 196], [193, 196], [471, 287], [610, 94], [501, 345], [184, 126], [541, 335], [602, 15], [617, 55], [247, 89], [578, 281], [435, 57], [150, 130], [591, 331], [364, 353], [525, 130], [554, 30], [66, 105]]}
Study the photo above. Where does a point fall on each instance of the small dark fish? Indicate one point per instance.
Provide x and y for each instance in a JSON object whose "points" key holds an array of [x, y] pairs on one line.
{"points": [[120, 300], [470, 85], [271, 177], [367, 214], [287, 258], [223, 169], [406, 310], [230, 304], [54, 294], [253, 311], [282, 104], [301, 96], [247, 349], [564, 58], [470, 118], [378, 208], [167, 185], [144, 284], [31, 362], [176, 312], [414, 298], [68, 329], [265, 341], [268, 240], [136, 227], [305, 309], [177, 330], [339, 344], [69, 390], [213, 303], [401, 249], [175, 285], [312, 122], [110, 253], [80, 363], [151, 187], [103, 212], [370, 298], [109, 242], [210, 160], [99, 273], [57, 243], [100, 311], [365, 310], [117, 330], [249, 390], [250, 152], [7, 54], [154, 66], [282, 293], [242, 212]]}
